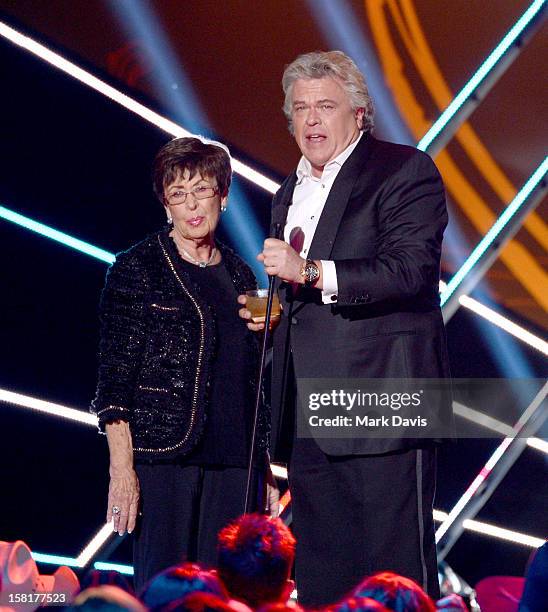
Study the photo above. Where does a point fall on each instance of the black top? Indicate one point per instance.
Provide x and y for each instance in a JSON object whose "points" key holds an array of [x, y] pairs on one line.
{"points": [[227, 427], [157, 347]]}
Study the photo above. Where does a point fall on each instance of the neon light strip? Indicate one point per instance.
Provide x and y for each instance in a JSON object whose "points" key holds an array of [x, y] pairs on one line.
{"points": [[495, 425], [500, 321], [492, 530], [491, 462], [132, 105], [26, 401], [49, 232], [278, 471], [117, 567], [476, 80], [495, 230], [73, 414], [54, 559], [95, 544]]}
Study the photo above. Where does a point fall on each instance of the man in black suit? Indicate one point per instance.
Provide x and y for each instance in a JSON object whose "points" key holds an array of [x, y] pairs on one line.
{"points": [[357, 274]]}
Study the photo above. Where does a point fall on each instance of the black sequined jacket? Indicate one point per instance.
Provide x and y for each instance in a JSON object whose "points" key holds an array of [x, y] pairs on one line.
{"points": [[157, 342]]}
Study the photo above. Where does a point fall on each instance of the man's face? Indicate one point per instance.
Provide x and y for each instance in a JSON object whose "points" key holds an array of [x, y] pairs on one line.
{"points": [[323, 120]]}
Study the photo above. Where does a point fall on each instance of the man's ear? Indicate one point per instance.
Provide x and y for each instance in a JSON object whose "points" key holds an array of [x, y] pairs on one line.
{"points": [[360, 112]]}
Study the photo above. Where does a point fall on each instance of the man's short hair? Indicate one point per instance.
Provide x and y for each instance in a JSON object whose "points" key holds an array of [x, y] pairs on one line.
{"points": [[255, 557], [194, 155], [334, 64]]}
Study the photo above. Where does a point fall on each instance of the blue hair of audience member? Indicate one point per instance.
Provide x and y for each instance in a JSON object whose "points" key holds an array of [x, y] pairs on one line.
{"points": [[395, 592], [178, 581]]}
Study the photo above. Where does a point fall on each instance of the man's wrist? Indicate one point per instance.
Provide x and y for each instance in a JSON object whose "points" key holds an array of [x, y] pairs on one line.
{"points": [[310, 273]]}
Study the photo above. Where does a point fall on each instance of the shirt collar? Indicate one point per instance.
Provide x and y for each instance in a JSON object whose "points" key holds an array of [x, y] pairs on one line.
{"points": [[304, 168]]}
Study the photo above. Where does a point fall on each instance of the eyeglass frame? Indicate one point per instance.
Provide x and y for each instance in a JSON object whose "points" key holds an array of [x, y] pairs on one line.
{"points": [[192, 192]]}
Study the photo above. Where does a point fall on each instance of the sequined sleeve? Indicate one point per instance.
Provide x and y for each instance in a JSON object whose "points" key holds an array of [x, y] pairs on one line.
{"points": [[122, 337]]}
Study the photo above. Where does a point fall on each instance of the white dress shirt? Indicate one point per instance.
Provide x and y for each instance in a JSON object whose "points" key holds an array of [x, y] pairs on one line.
{"points": [[309, 198]]}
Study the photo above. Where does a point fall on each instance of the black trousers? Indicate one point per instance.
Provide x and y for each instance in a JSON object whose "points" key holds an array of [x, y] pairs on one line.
{"points": [[354, 516], [183, 509]]}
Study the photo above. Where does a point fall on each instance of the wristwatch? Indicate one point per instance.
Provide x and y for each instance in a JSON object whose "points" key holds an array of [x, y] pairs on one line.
{"points": [[309, 272]]}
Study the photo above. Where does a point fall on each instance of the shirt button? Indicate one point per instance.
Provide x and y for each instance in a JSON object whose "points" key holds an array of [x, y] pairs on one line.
{"points": [[323, 186], [312, 217], [305, 250]]}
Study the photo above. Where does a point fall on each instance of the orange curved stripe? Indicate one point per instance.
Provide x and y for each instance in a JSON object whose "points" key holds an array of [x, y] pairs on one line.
{"points": [[515, 256]]}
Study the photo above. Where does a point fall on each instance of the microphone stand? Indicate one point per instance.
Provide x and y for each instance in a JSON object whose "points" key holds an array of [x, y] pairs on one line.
{"points": [[277, 234]]}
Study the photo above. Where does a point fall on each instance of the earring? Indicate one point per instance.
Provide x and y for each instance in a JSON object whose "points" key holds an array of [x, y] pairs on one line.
{"points": [[169, 220], [223, 208]]}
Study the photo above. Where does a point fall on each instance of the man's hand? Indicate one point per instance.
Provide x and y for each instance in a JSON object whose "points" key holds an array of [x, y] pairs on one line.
{"points": [[272, 495], [281, 260]]}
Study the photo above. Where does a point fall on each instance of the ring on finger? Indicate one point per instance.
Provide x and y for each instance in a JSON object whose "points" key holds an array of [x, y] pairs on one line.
{"points": [[116, 510]]}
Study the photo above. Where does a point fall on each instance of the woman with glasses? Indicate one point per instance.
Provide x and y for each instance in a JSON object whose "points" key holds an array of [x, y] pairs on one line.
{"points": [[177, 372]]}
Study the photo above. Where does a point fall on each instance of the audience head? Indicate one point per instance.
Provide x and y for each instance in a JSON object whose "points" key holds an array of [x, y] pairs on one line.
{"points": [[357, 604], [256, 554], [198, 602], [95, 578], [177, 582], [395, 592], [106, 598]]}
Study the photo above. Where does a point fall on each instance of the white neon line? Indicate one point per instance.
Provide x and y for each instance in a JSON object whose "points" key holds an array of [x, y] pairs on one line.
{"points": [[501, 321], [124, 100], [278, 471], [503, 534], [495, 425], [95, 544], [26, 401], [505, 324], [494, 531]]}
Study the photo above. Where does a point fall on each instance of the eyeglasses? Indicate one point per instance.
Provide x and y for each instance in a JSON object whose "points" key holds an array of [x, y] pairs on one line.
{"points": [[199, 193]]}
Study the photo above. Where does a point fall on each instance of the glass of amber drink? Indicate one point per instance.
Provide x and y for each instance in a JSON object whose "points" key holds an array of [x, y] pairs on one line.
{"points": [[256, 303]]}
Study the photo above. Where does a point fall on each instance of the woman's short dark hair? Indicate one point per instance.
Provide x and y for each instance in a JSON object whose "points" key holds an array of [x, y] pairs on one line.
{"points": [[194, 155]]}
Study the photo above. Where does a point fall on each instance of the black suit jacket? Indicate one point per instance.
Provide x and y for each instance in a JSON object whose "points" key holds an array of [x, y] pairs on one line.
{"points": [[382, 225]]}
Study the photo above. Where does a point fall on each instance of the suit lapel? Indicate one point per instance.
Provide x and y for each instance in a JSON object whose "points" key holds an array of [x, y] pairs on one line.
{"points": [[330, 219]]}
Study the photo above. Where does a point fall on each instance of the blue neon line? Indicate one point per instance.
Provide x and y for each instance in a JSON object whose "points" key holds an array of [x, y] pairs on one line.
{"points": [[495, 230], [54, 559], [480, 74], [117, 567], [50, 232]]}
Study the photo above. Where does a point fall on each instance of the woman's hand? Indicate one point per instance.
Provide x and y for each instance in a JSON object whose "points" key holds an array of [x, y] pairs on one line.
{"points": [[123, 494], [123, 491], [245, 314]]}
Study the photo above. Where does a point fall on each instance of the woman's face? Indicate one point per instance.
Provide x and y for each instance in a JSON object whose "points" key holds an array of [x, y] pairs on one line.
{"points": [[195, 218]]}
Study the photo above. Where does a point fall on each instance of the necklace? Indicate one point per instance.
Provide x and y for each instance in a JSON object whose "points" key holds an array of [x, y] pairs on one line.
{"points": [[199, 262], [196, 262]]}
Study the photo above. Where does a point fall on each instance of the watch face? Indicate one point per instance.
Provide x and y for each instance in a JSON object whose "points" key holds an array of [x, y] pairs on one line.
{"points": [[312, 272]]}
